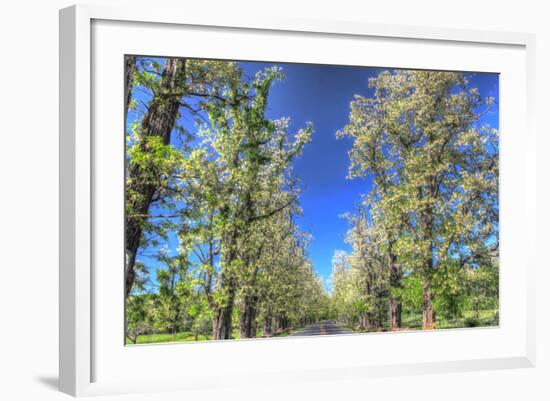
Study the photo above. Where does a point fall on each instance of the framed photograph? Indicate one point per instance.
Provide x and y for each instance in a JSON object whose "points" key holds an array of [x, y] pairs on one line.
{"points": [[290, 200]]}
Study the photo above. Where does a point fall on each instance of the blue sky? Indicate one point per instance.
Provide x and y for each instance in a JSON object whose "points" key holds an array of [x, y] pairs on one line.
{"points": [[322, 94]]}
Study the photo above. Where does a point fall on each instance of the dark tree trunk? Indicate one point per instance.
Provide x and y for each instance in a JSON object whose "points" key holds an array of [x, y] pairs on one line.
{"points": [[248, 317], [223, 317], [268, 329], [364, 322], [395, 314], [159, 121], [395, 283], [268, 325], [222, 325], [281, 323], [380, 320]]}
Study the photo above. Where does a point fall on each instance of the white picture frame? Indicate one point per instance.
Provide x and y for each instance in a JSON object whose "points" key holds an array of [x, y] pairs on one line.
{"points": [[80, 219]]}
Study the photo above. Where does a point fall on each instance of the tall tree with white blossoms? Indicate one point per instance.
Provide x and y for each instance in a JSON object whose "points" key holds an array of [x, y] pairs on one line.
{"points": [[435, 168]]}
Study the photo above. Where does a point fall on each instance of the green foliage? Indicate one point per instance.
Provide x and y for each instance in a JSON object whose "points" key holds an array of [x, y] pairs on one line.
{"points": [[482, 287], [450, 291], [139, 316], [411, 293]]}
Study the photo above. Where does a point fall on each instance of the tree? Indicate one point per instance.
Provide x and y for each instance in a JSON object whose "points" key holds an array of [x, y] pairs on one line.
{"points": [[139, 316], [435, 164], [345, 290], [144, 174], [238, 177], [370, 261], [177, 85], [175, 291]]}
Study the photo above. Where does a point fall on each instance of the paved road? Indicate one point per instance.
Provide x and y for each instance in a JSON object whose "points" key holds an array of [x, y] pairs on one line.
{"points": [[323, 328]]}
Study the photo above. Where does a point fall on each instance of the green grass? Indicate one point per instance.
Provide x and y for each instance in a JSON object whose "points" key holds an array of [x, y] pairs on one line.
{"points": [[187, 336], [166, 338]]}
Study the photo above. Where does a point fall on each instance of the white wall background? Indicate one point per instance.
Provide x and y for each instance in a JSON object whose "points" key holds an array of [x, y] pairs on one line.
{"points": [[29, 199]]}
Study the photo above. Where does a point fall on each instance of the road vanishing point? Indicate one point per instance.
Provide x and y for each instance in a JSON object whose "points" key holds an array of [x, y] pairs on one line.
{"points": [[323, 328]]}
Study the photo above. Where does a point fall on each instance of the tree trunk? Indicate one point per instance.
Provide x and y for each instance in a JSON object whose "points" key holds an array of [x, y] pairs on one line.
{"points": [[159, 120], [250, 302], [364, 322], [223, 318], [380, 320], [395, 282], [268, 326], [248, 317], [281, 323], [222, 325], [395, 314], [428, 312], [129, 77]]}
